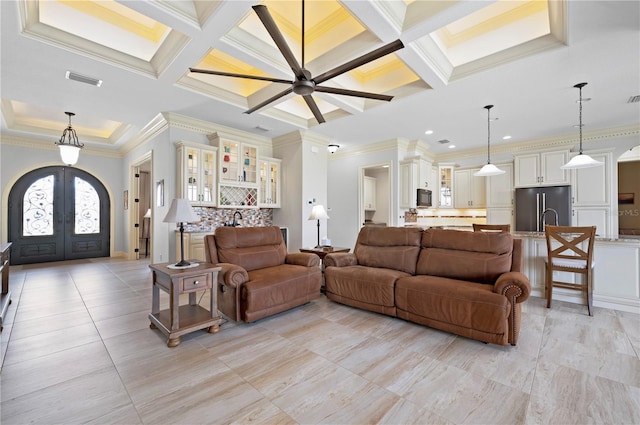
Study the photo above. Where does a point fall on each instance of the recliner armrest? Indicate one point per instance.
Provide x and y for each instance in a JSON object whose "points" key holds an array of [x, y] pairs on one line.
{"points": [[302, 259], [232, 275], [513, 285], [341, 259]]}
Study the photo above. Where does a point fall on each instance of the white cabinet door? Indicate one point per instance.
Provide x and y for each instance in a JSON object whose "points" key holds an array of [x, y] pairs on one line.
{"points": [[593, 216], [500, 216], [269, 182], [591, 185], [478, 190], [408, 176], [550, 172], [461, 189], [500, 188], [196, 179], [526, 170], [369, 193]]}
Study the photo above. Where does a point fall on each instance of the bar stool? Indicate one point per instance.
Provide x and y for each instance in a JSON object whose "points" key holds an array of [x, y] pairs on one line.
{"points": [[566, 253]]}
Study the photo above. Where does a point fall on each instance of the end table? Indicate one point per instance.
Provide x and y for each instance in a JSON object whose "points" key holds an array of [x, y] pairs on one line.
{"points": [[178, 320]]}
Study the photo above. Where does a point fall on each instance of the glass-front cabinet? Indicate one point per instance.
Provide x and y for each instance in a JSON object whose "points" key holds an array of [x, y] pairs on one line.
{"points": [[197, 174], [446, 187], [238, 162], [269, 182]]}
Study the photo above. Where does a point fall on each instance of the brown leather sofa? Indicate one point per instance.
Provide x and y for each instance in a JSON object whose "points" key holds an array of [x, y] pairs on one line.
{"points": [[467, 283], [258, 277]]}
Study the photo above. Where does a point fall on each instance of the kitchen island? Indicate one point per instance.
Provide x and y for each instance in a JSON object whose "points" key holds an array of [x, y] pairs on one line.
{"points": [[616, 280]]}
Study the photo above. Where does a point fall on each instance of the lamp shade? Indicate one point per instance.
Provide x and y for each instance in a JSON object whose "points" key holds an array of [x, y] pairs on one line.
{"points": [[318, 213], [581, 161], [489, 170], [69, 154], [147, 214], [180, 211]]}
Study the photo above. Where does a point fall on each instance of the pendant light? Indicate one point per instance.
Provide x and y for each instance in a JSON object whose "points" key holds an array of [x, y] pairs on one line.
{"points": [[69, 144], [581, 160], [489, 169]]}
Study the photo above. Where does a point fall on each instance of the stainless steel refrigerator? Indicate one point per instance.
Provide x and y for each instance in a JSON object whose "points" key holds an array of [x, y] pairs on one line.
{"points": [[532, 202]]}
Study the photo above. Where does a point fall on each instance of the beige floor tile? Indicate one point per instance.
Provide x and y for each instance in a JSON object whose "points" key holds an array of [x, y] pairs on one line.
{"points": [[41, 326], [407, 413], [123, 324]]}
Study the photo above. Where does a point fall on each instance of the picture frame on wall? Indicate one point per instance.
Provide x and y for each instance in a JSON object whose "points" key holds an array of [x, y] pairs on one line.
{"points": [[125, 199], [160, 193]]}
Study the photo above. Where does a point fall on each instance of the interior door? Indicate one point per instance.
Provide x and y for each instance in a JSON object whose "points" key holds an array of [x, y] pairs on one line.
{"points": [[58, 213]]}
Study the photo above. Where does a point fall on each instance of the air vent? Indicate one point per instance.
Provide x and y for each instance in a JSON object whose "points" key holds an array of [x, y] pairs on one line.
{"points": [[443, 141], [83, 79], [261, 128], [634, 99]]}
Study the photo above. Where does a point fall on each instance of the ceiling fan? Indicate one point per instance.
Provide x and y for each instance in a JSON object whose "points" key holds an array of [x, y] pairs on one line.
{"points": [[304, 84]]}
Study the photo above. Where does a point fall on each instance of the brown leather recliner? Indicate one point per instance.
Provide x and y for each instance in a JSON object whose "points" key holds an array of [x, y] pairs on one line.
{"points": [[258, 277]]}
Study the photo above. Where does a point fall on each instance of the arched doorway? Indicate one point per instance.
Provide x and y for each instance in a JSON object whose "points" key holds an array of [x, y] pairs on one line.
{"points": [[58, 213]]}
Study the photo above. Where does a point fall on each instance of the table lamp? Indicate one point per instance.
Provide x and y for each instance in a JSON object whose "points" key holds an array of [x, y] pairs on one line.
{"points": [[180, 211], [318, 213]]}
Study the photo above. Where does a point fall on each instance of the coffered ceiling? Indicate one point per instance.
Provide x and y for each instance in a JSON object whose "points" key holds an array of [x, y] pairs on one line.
{"points": [[522, 56]]}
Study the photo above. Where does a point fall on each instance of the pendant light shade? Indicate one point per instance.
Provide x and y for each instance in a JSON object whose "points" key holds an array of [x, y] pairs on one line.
{"points": [[581, 160], [489, 169], [69, 144]]}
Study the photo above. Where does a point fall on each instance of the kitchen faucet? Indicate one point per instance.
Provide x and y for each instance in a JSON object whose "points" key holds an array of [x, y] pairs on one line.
{"points": [[544, 214], [235, 222]]}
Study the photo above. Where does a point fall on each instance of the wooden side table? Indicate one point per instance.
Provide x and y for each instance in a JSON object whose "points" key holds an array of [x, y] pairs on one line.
{"points": [[322, 252], [178, 320]]}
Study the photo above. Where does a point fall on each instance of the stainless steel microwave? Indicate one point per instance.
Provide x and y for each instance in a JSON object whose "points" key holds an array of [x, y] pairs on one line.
{"points": [[423, 198]]}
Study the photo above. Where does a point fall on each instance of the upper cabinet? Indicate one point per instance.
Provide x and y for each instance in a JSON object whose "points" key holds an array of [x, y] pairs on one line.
{"points": [[541, 169], [500, 188], [238, 163], [469, 190], [370, 185], [196, 179], [445, 189], [592, 186], [269, 170]]}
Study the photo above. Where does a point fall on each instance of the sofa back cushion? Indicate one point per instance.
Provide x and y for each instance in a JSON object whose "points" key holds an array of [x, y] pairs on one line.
{"points": [[394, 248], [250, 247], [474, 256]]}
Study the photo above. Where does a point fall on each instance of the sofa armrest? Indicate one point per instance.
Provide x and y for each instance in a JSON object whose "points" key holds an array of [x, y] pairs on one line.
{"points": [[232, 275], [513, 285], [340, 259], [302, 259]]}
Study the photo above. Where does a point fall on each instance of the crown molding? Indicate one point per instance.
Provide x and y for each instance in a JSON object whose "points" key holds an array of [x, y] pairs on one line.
{"points": [[48, 144], [155, 127]]}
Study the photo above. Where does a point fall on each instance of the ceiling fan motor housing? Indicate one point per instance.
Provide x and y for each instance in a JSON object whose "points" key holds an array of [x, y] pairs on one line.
{"points": [[304, 87]]}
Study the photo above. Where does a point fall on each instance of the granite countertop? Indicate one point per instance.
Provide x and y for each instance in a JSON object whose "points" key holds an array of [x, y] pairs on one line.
{"points": [[541, 235]]}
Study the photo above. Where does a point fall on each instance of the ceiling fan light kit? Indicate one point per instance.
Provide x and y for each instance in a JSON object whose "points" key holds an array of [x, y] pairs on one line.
{"points": [[581, 160], [489, 169], [304, 84]]}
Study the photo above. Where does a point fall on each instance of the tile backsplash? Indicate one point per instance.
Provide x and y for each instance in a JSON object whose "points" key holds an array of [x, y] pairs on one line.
{"points": [[210, 218]]}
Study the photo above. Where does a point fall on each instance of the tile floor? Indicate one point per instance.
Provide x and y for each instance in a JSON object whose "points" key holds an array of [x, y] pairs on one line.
{"points": [[77, 348]]}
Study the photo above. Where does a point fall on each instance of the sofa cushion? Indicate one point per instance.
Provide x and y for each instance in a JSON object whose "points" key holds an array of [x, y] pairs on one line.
{"points": [[250, 247], [366, 284], [394, 248], [465, 304], [472, 256]]}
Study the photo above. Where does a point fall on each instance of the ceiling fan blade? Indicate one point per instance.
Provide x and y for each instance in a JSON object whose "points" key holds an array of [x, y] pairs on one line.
{"points": [[268, 101], [314, 108], [355, 93], [230, 74], [268, 22], [366, 58]]}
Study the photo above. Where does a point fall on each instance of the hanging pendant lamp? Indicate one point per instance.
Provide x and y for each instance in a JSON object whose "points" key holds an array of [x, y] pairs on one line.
{"points": [[69, 144], [489, 169], [581, 160]]}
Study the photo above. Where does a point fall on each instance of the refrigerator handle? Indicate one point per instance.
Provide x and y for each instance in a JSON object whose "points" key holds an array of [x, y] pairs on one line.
{"points": [[537, 212]]}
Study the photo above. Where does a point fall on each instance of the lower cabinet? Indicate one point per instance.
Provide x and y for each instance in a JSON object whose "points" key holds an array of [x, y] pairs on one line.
{"points": [[500, 216], [193, 246]]}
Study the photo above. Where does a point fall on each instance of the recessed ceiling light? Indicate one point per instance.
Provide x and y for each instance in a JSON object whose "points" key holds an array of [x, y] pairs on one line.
{"points": [[507, 137], [428, 132], [452, 146]]}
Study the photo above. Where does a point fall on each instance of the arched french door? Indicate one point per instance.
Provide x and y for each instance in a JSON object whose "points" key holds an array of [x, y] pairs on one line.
{"points": [[58, 213]]}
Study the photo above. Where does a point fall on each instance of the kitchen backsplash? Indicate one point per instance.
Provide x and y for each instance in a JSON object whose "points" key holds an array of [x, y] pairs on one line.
{"points": [[450, 217], [210, 218]]}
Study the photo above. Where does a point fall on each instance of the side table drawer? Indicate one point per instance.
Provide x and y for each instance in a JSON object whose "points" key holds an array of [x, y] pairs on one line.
{"points": [[195, 283]]}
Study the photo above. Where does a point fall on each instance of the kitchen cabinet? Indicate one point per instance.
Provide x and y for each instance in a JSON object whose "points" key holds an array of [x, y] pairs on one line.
{"points": [[415, 173], [592, 186], [237, 174], [445, 198], [500, 216], [500, 188], [593, 216], [269, 170], [369, 200], [196, 179], [193, 246], [541, 169], [469, 191]]}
